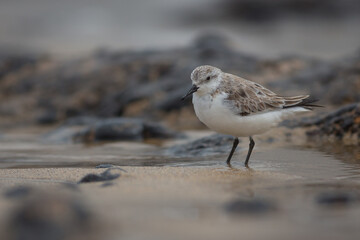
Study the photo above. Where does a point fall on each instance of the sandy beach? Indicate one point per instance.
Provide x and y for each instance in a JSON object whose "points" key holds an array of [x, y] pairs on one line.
{"points": [[201, 198]]}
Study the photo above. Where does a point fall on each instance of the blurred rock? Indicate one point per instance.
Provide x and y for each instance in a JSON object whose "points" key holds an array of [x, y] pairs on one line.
{"points": [[105, 165], [108, 84], [47, 117], [335, 83], [81, 121], [343, 122], [18, 192], [332, 199], [149, 84], [105, 176], [88, 129], [44, 216], [124, 129], [112, 130], [211, 145], [11, 64]]}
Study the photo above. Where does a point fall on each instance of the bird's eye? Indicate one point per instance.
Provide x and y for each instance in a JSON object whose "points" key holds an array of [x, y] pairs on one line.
{"points": [[208, 78]]}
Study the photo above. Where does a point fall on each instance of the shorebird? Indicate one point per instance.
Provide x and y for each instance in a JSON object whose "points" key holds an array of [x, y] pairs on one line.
{"points": [[235, 106]]}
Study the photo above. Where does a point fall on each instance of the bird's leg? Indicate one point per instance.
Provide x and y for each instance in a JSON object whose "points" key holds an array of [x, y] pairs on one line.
{"points": [[236, 142], [251, 146]]}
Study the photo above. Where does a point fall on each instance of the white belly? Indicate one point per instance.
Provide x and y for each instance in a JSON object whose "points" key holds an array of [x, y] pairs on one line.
{"points": [[221, 119]]}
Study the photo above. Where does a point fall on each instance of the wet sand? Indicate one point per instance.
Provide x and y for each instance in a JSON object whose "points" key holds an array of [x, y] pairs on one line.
{"points": [[289, 191]]}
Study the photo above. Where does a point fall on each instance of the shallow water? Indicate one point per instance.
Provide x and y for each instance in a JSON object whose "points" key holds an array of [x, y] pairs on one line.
{"points": [[316, 163]]}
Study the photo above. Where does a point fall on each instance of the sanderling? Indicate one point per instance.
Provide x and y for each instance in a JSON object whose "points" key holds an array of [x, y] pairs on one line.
{"points": [[235, 106]]}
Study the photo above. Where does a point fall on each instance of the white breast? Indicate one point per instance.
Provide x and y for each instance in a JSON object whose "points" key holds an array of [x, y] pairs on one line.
{"points": [[215, 115]]}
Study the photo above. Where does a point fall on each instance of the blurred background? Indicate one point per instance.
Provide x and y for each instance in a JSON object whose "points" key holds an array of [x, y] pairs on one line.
{"points": [[134, 57], [323, 28]]}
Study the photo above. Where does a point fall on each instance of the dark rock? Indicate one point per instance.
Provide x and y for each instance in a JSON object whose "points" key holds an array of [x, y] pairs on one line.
{"points": [[12, 64], [18, 192], [112, 129], [47, 117], [214, 144], [110, 84], [126, 129], [173, 101], [253, 206], [149, 84], [326, 80], [105, 176], [90, 129], [336, 198], [81, 121], [70, 128], [344, 121], [105, 165], [158, 131], [46, 216]]}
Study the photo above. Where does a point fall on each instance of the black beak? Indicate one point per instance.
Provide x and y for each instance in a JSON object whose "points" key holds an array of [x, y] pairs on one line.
{"points": [[193, 89]]}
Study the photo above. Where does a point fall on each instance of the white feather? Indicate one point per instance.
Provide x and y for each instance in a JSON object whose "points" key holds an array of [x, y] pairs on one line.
{"points": [[218, 117]]}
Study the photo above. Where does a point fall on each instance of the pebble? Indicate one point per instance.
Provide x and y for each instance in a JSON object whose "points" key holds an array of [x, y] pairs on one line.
{"points": [[105, 176]]}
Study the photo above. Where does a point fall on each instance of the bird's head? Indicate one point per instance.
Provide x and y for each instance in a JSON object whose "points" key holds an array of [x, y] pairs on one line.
{"points": [[205, 79]]}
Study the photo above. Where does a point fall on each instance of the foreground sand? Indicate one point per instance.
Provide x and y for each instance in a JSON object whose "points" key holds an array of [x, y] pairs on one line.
{"points": [[180, 203], [290, 192]]}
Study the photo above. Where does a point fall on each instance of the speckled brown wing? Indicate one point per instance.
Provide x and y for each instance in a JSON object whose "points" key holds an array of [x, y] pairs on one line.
{"points": [[246, 97]]}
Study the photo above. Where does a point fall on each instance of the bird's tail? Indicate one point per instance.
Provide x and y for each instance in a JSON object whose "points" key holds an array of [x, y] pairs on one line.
{"points": [[304, 101]]}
